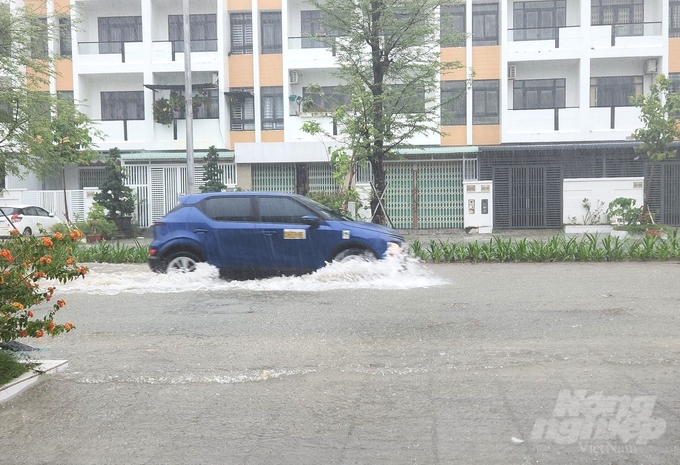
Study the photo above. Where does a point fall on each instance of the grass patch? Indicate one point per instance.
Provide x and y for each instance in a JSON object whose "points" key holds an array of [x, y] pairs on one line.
{"points": [[112, 252], [10, 367]]}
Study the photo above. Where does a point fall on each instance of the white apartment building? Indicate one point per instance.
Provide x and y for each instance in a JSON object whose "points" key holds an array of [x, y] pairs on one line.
{"points": [[545, 86]]}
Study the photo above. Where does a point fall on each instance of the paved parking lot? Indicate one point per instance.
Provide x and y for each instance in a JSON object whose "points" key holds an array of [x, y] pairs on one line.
{"points": [[502, 363]]}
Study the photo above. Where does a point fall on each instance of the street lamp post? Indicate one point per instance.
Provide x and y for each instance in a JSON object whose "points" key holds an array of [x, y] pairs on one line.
{"points": [[188, 94]]}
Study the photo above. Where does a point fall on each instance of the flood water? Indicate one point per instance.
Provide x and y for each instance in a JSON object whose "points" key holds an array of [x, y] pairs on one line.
{"points": [[390, 273]]}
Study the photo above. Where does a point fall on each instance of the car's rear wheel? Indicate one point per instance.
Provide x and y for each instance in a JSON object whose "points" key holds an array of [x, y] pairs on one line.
{"points": [[354, 254], [27, 232], [183, 262]]}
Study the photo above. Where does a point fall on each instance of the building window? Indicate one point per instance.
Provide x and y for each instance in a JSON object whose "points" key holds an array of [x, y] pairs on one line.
{"points": [[203, 32], [272, 108], [206, 104], [311, 26], [39, 39], [626, 15], [329, 99], [122, 105], [66, 95], [614, 91], [452, 25], [675, 82], [114, 31], [539, 93], [538, 20], [65, 48], [241, 33], [485, 102], [454, 103], [91, 177], [674, 18], [242, 109], [485, 24], [272, 33]]}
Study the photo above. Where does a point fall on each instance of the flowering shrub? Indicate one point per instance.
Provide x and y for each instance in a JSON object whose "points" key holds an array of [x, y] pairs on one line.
{"points": [[24, 262]]}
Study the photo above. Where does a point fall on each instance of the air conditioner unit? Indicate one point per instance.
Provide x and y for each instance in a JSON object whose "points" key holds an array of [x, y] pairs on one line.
{"points": [[512, 72], [293, 76], [651, 66]]}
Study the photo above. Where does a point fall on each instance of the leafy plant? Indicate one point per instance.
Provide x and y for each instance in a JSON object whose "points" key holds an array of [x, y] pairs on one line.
{"points": [[622, 211], [24, 262], [163, 112], [212, 173], [114, 195], [96, 223]]}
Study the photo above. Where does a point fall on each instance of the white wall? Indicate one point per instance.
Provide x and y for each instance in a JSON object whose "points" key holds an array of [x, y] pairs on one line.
{"points": [[600, 192]]}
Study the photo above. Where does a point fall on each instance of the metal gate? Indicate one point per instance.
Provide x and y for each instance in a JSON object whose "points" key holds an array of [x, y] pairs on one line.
{"points": [[425, 195], [670, 195], [527, 196]]}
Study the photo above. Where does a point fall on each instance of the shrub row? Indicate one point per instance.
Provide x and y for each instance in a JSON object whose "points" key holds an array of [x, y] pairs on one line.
{"points": [[558, 248]]}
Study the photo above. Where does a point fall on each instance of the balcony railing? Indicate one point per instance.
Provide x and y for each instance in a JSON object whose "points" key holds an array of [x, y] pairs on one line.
{"points": [[635, 29], [297, 43], [544, 119], [537, 33], [177, 46], [104, 48]]}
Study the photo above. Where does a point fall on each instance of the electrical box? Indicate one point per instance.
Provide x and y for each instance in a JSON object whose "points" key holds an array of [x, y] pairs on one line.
{"points": [[478, 201]]}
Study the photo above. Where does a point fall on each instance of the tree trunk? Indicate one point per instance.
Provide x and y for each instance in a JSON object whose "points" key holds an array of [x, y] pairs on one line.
{"points": [[379, 184], [647, 216], [63, 186]]}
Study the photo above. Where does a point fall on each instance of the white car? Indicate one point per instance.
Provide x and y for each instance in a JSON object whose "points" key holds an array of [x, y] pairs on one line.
{"points": [[27, 219]]}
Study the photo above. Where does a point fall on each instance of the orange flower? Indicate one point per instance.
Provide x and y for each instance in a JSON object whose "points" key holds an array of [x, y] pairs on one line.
{"points": [[75, 235], [68, 326], [83, 271], [22, 333], [7, 255], [47, 242], [61, 303], [69, 261], [51, 327], [58, 235], [39, 333], [14, 232], [29, 313], [18, 306], [50, 290], [48, 297]]}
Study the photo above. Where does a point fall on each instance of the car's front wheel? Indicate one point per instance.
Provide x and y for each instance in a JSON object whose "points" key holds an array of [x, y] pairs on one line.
{"points": [[354, 254], [183, 262]]}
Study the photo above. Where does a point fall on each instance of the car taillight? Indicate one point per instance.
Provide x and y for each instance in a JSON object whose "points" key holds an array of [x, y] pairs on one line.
{"points": [[152, 252], [16, 218]]}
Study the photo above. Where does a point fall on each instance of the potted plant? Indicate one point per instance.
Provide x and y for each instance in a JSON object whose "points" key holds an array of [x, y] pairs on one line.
{"points": [[96, 227], [116, 198]]}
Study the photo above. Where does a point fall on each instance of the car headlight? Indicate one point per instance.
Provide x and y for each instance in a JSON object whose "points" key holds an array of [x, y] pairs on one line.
{"points": [[393, 248]]}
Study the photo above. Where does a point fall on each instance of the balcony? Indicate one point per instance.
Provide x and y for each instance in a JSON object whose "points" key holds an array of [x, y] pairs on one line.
{"points": [[110, 53], [544, 39], [172, 51], [121, 133], [606, 121], [542, 125], [305, 53], [627, 36]]}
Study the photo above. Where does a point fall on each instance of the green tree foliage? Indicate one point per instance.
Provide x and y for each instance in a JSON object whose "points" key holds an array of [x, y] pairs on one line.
{"points": [[114, 195], [38, 132], [389, 67], [212, 173], [659, 112]]}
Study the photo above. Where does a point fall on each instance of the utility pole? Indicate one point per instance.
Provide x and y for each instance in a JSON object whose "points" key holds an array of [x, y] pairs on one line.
{"points": [[188, 94]]}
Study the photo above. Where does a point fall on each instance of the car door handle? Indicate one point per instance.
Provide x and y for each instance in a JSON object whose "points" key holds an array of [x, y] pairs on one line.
{"points": [[200, 231]]}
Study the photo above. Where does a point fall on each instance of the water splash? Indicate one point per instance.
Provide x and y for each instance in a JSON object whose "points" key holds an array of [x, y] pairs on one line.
{"points": [[390, 273]]}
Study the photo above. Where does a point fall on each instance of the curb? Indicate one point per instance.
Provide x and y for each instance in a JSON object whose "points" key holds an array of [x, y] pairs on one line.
{"points": [[14, 387]]}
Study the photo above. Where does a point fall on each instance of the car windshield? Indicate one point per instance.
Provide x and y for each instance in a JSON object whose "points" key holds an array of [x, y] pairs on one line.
{"points": [[326, 213]]}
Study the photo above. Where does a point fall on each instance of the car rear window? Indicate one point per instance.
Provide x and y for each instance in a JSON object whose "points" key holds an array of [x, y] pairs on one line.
{"points": [[228, 209]]}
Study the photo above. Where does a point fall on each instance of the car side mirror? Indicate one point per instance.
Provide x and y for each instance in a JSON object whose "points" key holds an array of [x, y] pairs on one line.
{"points": [[51, 215], [311, 220]]}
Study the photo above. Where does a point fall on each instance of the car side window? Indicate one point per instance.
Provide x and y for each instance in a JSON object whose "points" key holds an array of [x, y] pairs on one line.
{"points": [[41, 211], [30, 211], [281, 210], [229, 209]]}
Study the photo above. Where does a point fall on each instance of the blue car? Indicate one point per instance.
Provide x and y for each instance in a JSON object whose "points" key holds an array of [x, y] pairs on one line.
{"points": [[255, 234]]}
